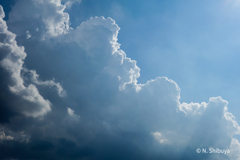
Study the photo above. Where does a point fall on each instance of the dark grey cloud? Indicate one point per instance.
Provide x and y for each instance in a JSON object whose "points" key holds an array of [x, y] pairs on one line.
{"points": [[104, 113]]}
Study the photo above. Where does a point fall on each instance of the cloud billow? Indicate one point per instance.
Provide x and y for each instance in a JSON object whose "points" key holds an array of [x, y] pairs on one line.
{"points": [[12, 62], [106, 113]]}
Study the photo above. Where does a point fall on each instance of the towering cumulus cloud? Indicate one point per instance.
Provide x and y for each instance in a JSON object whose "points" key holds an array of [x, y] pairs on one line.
{"points": [[101, 111]]}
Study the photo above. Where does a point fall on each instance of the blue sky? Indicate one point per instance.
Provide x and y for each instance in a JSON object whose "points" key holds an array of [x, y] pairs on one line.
{"points": [[77, 86]]}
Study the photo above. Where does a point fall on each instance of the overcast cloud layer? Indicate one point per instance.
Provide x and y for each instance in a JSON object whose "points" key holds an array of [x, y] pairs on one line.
{"points": [[73, 94]]}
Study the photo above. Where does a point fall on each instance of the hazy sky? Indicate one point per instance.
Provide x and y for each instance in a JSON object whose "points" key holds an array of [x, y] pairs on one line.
{"points": [[118, 79]]}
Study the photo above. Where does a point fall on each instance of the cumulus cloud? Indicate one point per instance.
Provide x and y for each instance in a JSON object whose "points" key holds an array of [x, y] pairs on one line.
{"points": [[48, 17], [120, 118], [13, 64], [13, 60]]}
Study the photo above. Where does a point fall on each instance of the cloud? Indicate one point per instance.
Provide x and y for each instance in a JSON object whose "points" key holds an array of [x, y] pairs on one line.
{"points": [[72, 115], [4, 137], [28, 34], [235, 149], [120, 118], [159, 137], [13, 60], [35, 79], [47, 15], [69, 3]]}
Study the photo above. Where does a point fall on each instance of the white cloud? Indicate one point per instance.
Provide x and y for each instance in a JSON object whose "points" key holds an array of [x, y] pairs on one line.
{"points": [[69, 3], [117, 64], [13, 62], [193, 108], [159, 137], [45, 16], [235, 149], [72, 114], [28, 34], [98, 69], [156, 104]]}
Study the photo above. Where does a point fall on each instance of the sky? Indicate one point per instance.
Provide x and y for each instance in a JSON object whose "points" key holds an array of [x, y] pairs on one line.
{"points": [[117, 79]]}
